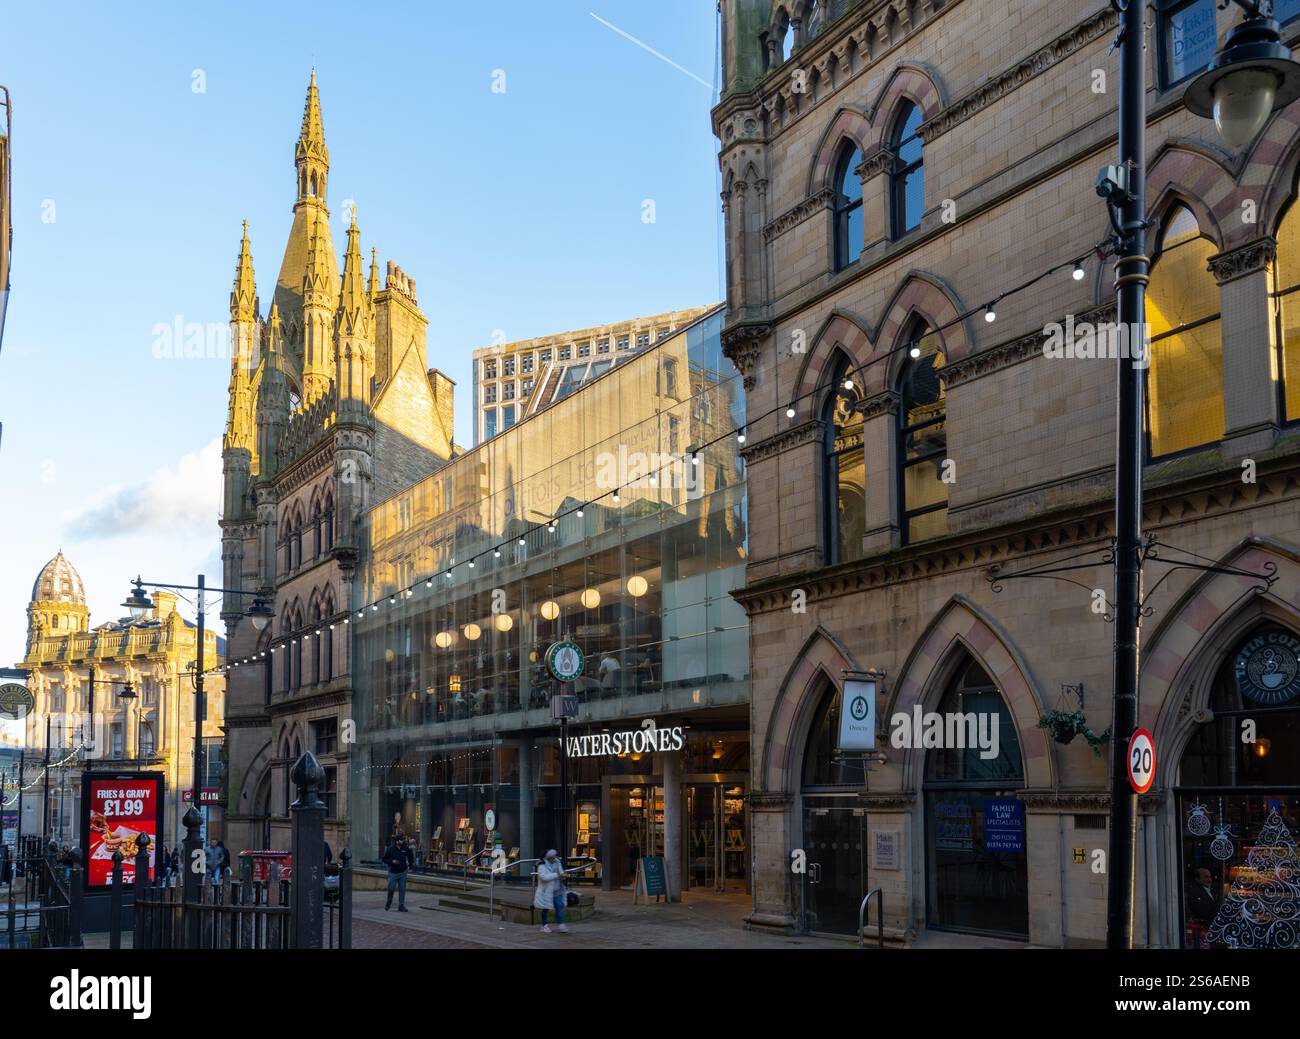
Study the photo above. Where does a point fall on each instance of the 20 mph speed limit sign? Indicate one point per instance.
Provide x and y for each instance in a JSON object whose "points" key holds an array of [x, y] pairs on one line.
{"points": [[1141, 761]]}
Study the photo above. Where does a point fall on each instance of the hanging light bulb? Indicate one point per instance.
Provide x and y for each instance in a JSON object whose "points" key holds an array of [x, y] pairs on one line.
{"points": [[444, 639], [616, 497], [550, 609], [1078, 272], [990, 315], [579, 512], [522, 542], [496, 553], [551, 525], [471, 564], [503, 622], [914, 353], [740, 437], [473, 631], [590, 598], [654, 479], [789, 413], [848, 382], [637, 586]]}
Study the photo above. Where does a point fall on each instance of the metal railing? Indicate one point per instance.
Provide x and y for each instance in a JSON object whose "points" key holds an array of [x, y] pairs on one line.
{"points": [[41, 907], [492, 881], [470, 859], [880, 918]]}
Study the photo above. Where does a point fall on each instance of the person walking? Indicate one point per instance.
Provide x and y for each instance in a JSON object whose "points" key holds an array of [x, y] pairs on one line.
{"points": [[550, 890], [227, 864], [213, 861], [397, 861]]}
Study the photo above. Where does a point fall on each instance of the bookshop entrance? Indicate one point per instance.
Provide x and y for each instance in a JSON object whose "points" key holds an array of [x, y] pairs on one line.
{"points": [[714, 843]]}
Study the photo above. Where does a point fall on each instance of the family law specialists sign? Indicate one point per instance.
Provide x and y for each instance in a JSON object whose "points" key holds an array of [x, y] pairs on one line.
{"points": [[647, 739]]}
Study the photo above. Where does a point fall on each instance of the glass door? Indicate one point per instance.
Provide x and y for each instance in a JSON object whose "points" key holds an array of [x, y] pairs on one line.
{"points": [[703, 805], [835, 881]]}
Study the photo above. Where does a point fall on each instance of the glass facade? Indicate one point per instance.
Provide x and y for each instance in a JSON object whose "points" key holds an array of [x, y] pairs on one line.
{"points": [[467, 577]]}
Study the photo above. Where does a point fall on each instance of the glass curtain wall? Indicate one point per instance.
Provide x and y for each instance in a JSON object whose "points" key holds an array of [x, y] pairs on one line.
{"points": [[640, 581]]}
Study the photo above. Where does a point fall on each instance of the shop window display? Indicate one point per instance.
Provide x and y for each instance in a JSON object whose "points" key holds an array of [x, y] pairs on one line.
{"points": [[1239, 803]]}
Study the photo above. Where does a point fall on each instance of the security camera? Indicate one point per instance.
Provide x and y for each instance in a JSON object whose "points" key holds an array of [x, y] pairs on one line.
{"points": [[1112, 183]]}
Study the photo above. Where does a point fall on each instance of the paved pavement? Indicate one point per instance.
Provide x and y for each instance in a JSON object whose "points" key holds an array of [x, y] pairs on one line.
{"points": [[698, 921]]}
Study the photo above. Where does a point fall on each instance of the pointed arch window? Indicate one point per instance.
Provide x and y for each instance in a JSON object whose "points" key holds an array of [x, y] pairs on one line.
{"points": [[316, 673], [1287, 280], [845, 475], [976, 860], [848, 206], [922, 440], [907, 183], [1184, 399], [823, 765]]}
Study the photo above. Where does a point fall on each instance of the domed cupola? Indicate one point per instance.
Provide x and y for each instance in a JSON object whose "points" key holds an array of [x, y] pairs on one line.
{"points": [[58, 599]]}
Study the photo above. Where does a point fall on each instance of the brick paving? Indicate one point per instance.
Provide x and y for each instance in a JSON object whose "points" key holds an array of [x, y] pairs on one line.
{"points": [[370, 934], [698, 922]]}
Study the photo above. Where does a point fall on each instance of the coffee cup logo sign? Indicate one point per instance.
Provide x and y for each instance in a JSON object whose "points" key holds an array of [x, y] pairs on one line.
{"points": [[16, 701], [1267, 668], [564, 660]]}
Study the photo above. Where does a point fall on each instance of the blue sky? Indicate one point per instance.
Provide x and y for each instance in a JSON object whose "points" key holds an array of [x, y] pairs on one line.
{"points": [[519, 211]]}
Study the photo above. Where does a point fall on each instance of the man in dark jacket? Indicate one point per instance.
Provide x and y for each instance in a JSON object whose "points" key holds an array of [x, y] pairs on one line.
{"points": [[395, 858]]}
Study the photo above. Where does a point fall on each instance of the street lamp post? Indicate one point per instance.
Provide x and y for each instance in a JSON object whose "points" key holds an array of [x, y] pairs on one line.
{"points": [[1251, 77], [260, 613]]}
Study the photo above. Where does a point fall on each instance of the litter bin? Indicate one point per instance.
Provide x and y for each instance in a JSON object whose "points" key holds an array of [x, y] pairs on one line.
{"points": [[256, 865]]}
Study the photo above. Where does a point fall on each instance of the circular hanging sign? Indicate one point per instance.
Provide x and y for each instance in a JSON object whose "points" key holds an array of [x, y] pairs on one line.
{"points": [[564, 660], [16, 701], [1267, 668], [490, 819], [1141, 761]]}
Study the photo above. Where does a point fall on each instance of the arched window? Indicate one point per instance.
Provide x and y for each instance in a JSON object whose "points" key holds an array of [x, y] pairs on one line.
{"points": [[845, 480], [922, 441], [317, 531], [327, 520], [907, 183], [1287, 281], [296, 655], [296, 560], [976, 863], [1185, 378], [146, 740], [787, 37], [848, 206], [822, 763], [315, 644]]}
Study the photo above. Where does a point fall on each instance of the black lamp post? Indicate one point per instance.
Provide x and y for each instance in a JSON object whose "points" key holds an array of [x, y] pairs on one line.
{"points": [[260, 613], [1246, 81]]}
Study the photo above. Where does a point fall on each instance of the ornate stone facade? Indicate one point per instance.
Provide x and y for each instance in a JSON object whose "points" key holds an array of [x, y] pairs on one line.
{"points": [[332, 407]]}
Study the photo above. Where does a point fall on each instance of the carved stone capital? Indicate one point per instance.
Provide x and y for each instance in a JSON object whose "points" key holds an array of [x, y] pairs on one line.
{"points": [[797, 214], [769, 800], [878, 162], [1243, 260], [885, 403], [806, 432], [742, 345], [888, 801]]}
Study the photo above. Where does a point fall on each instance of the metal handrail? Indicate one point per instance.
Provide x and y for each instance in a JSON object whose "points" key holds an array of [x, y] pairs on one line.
{"points": [[880, 918], [466, 864], [587, 860], [492, 881]]}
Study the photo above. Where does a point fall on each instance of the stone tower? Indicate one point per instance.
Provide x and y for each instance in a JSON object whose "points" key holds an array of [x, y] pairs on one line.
{"points": [[332, 405]]}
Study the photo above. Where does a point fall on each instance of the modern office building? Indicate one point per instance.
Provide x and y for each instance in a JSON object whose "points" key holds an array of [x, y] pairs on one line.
{"points": [[614, 520], [515, 380], [893, 175]]}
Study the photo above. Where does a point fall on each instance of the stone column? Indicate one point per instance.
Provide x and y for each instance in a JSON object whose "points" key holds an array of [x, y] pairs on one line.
{"points": [[671, 770], [880, 418], [875, 198], [526, 838], [769, 820], [1247, 328]]}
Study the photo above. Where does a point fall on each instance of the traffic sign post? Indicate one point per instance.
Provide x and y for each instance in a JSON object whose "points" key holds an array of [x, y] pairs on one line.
{"points": [[1141, 761]]}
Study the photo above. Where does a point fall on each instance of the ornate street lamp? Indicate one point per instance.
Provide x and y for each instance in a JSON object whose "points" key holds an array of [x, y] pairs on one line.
{"points": [[1250, 78], [138, 602]]}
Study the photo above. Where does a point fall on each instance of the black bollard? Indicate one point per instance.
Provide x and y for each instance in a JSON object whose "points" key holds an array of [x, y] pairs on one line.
{"points": [[307, 894]]}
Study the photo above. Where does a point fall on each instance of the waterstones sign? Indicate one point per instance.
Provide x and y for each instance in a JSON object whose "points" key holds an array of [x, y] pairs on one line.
{"points": [[647, 739]]}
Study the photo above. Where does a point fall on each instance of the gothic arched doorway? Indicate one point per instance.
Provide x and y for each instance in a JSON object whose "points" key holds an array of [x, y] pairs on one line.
{"points": [[976, 868]]}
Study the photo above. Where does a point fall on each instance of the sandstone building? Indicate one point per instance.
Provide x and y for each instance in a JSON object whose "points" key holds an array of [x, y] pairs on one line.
{"points": [[890, 170], [332, 405], [153, 732]]}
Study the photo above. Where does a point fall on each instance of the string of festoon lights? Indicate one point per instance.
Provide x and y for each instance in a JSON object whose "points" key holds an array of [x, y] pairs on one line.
{"points": [[41, 774], [1077, 265], [463, 756]]}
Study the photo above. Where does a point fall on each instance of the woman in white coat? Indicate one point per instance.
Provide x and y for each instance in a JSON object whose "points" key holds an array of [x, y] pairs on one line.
{"points": [[550, 890]]}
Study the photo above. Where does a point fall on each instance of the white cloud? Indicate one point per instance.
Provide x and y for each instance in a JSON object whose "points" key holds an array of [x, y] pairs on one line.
{"points": [[180, 498]]}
